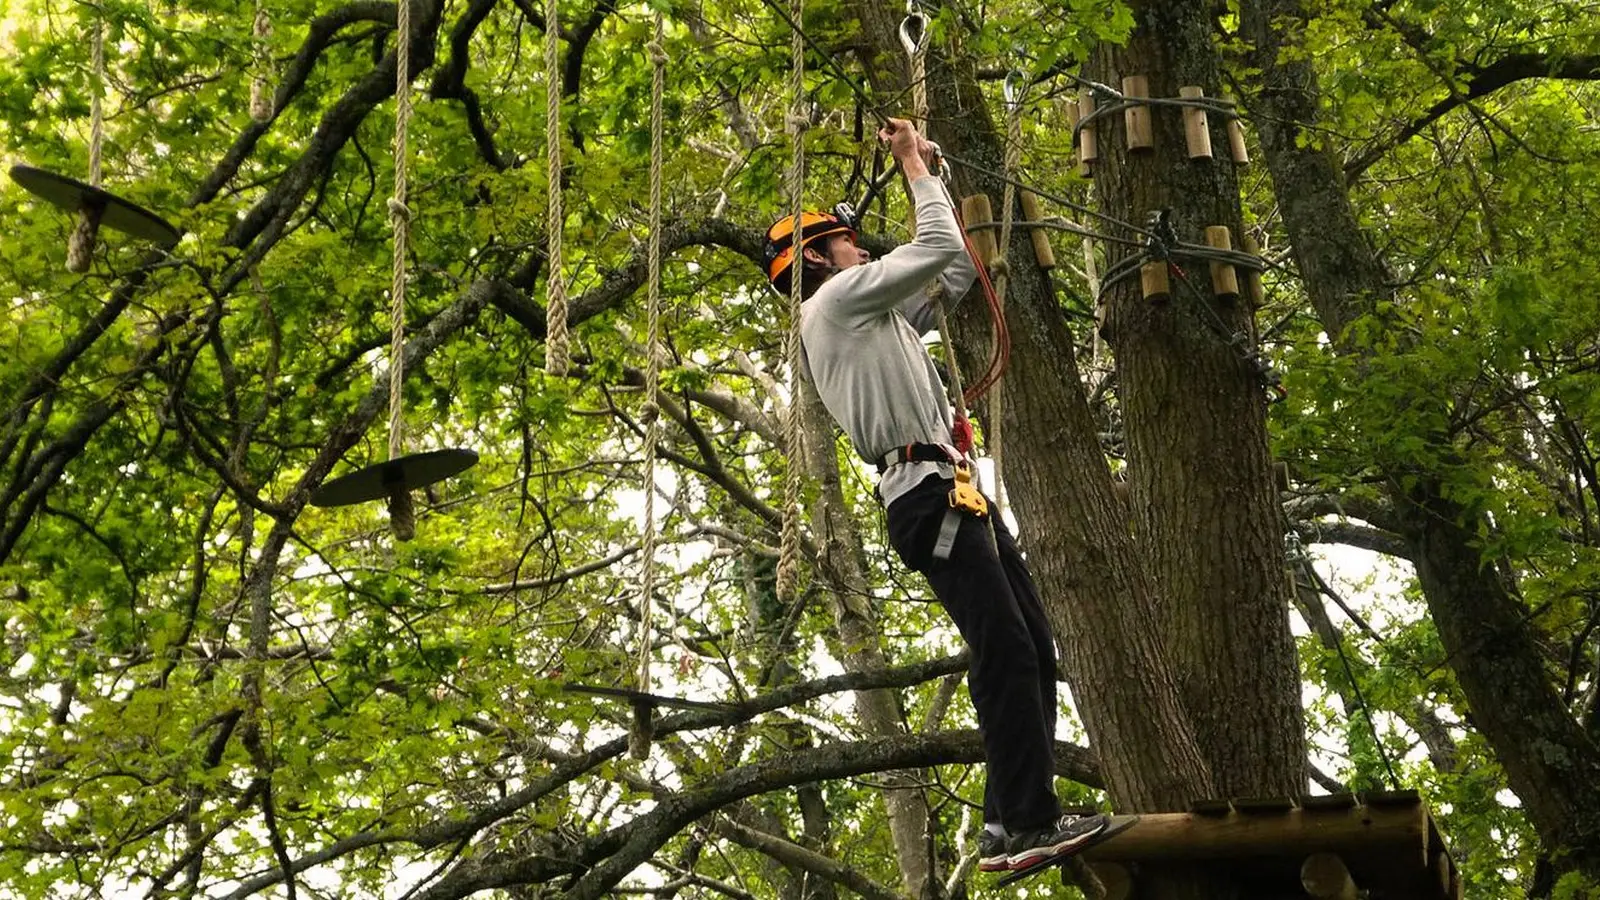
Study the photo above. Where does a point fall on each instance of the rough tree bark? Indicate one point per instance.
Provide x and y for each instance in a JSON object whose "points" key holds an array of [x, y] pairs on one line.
{"points": [[1099, 596], [1205, 510], [1550, 761], [860, 644]]}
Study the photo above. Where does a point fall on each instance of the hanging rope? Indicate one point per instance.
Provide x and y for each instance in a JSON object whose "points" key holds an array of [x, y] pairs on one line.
{"points": [[558, 348], [80, 244], [639, 737], [1000, 268], [916, 47], [261, 81], [97, 117], [789, 544], [401, 513]]}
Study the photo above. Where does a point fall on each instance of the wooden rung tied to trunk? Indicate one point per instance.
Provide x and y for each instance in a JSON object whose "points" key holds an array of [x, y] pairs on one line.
{"points": [[1154, 282], [1196, 126], [1254, 290], [1224, 280], [1069, 109], [978, 216], [1236, 146], [1325, 877], [1088, 143], [1141, 130], [1043, 253]]}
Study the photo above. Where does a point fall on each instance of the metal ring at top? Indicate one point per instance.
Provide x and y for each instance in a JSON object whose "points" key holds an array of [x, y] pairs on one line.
{"points": [[913, 44], [1011, 89]]}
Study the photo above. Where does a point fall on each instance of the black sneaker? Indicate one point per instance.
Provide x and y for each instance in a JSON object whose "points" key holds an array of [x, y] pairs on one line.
{"points": [[993, 854], [1037, 846]]}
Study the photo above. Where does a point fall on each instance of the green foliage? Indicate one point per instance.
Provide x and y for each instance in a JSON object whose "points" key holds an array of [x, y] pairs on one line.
{"points": [[400, 686]]}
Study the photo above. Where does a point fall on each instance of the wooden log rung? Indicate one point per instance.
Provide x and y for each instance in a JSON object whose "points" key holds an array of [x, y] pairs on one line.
{"points": [[1224, 279], [977, 213], [1088, 142], [1141, 128], [1154, 282], [1196, 125]]}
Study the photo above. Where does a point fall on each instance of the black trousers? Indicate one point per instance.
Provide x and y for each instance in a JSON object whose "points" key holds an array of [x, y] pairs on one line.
{"points": [[986, 588]]}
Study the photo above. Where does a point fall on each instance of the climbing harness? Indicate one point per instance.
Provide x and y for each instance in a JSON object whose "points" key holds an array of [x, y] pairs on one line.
{"points": [[394, 479], [93, 206], [558, 349]]}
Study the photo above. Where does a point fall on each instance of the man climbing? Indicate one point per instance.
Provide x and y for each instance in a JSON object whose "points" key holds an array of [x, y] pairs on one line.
{"points": [[860, 327]]}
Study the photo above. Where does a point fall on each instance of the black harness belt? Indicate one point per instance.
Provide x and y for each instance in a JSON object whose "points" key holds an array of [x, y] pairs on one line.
{"points": [[915, 453]]}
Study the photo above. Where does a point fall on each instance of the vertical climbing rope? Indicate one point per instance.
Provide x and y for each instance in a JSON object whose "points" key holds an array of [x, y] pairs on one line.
{"points": [[789, 543], [399, 223], [402, 515], [261, 80], [558, 349], [97, 117], [652, 373], [80, 244], [917, 51], [1000, 269]]}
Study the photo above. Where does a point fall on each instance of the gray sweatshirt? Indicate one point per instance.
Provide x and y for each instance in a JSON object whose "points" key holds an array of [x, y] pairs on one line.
{"points": [[861, 334]]}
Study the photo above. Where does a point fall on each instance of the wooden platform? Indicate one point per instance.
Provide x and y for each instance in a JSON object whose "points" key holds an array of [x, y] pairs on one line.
{"points": [[1386, 845]]}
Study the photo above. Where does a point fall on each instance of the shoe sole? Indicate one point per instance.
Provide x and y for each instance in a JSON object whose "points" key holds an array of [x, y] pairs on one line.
{"points": [[1038, 856]]}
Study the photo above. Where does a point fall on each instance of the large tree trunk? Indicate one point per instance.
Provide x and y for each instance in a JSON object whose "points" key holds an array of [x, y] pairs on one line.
{"points": [[1100, 600], [1194, 412], [859, 645], [1550, 761]]}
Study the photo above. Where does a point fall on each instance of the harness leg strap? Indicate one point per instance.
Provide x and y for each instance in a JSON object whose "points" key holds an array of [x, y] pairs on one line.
{"points": [[947, 534]]}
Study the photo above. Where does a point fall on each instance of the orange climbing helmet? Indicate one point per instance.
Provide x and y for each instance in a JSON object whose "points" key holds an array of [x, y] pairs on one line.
{"points": [[781, 250]]}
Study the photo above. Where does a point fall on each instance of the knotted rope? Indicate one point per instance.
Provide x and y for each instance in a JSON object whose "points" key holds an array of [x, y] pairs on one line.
{"points": [[261, 80], [789, 543], [80, 244], [558, 348], [401, 513]]}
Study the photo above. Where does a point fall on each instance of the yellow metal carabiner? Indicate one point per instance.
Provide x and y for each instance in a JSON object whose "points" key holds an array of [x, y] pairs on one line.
{"points": [[965, 496]]}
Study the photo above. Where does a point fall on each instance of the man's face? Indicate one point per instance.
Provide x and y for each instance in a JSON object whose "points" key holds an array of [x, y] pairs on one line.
{"points": [[838, 250]]}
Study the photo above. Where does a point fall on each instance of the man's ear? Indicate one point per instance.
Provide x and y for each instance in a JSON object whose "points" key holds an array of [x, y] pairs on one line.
{"points": [[810, 254]]}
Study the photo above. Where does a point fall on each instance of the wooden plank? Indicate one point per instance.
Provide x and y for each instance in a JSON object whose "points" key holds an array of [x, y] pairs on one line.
{"points": [[1297, 833], [1213, 807], [1263, 805], [1343, 800]]}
